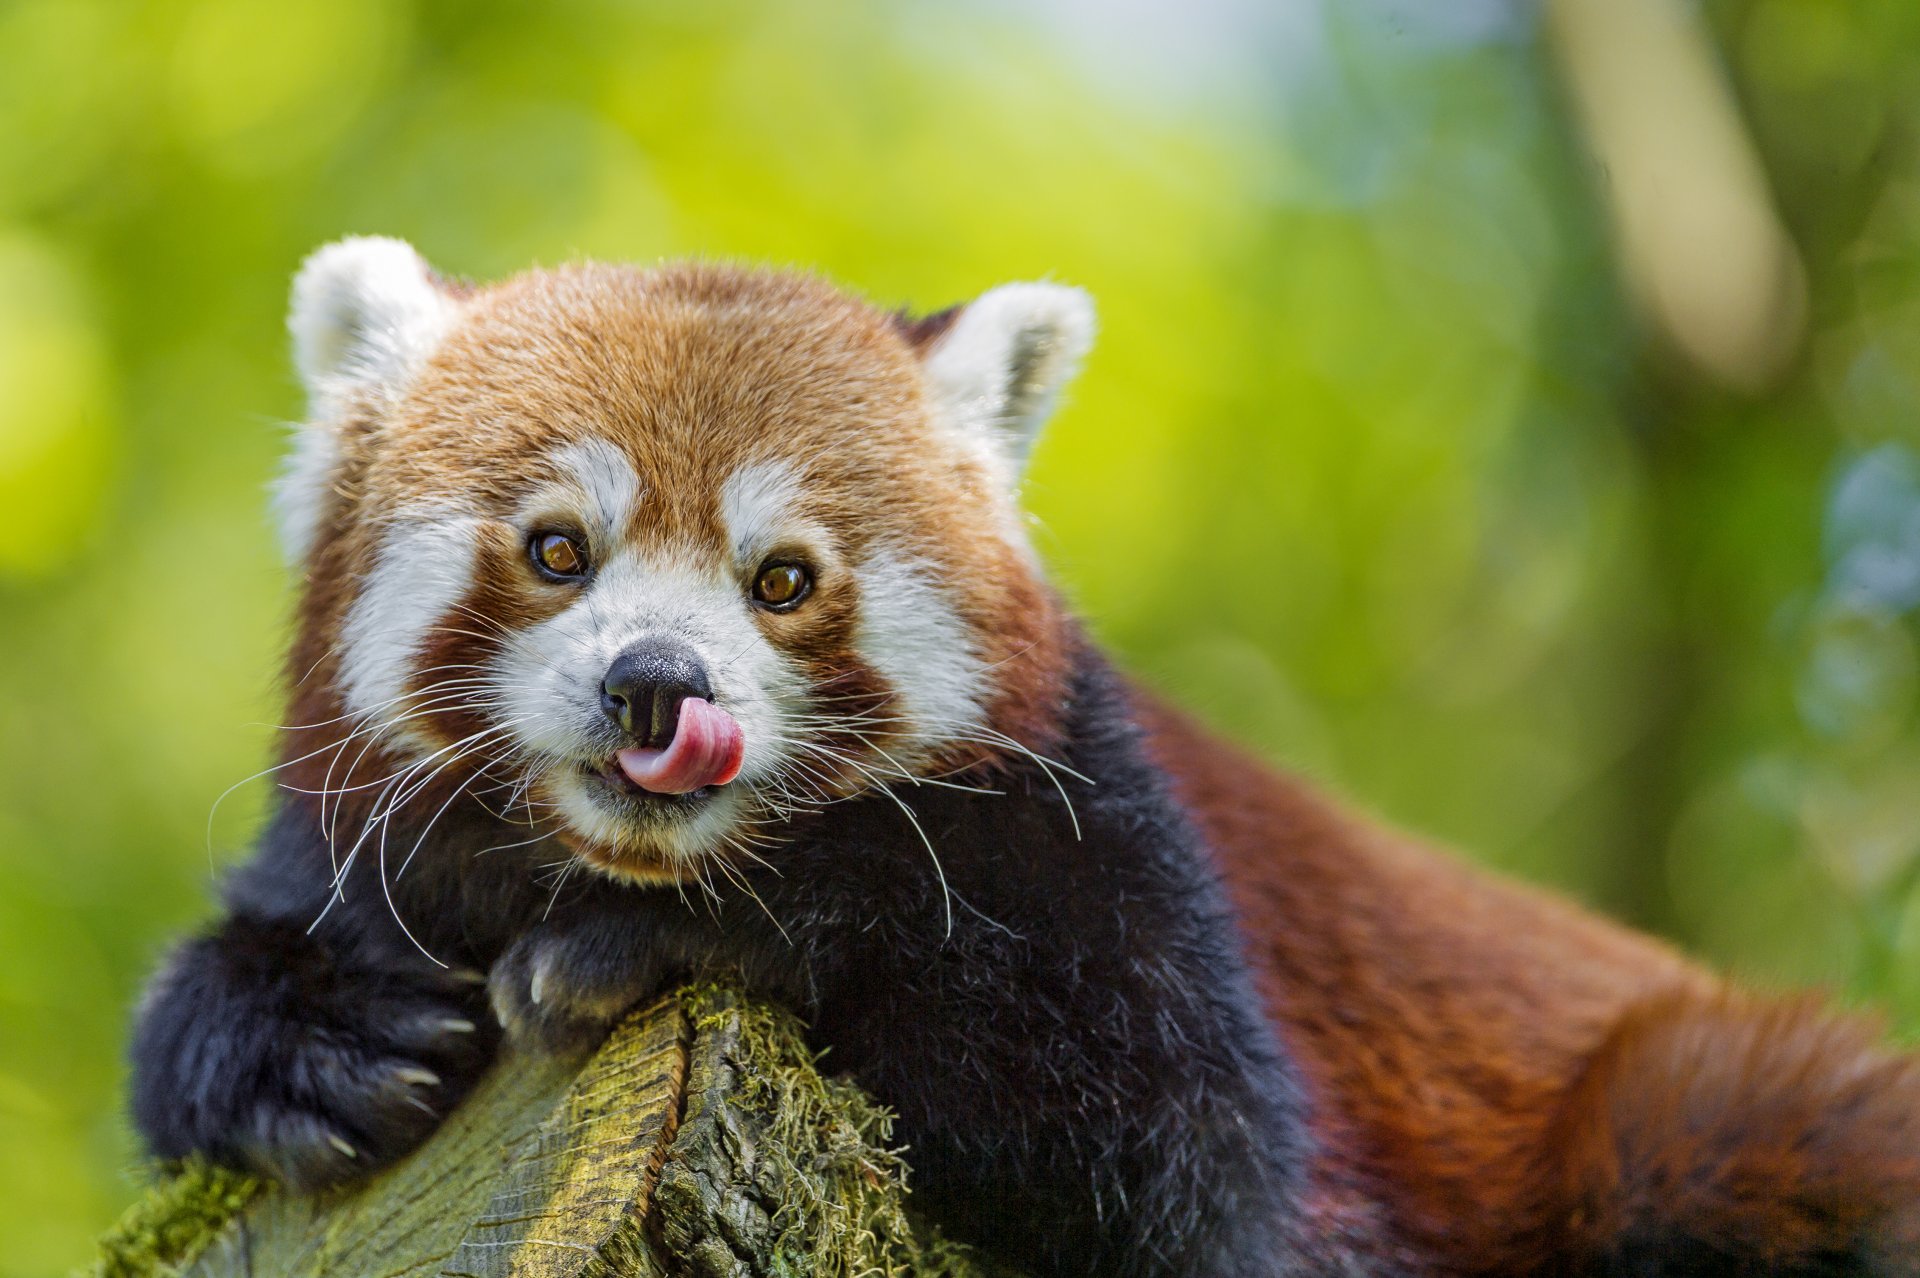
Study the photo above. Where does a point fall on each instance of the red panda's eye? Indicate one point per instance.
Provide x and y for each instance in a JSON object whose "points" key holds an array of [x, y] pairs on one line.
{"points": [[781, 585], [558, 556]]}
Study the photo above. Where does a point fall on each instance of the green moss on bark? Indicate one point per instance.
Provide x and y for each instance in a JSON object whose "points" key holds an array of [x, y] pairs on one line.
{"points": [[167, 1230], [778, 1169], [701, 1141]]}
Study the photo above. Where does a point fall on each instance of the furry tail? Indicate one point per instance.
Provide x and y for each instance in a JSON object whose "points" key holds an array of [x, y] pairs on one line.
{"points": [[1714, 1134]]}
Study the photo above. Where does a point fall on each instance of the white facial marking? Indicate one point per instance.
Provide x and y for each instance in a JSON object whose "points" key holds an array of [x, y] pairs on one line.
{"points": [[755, 504], [424, 567], [548, 680], [604, 488], [912, 636], [304, 489]]}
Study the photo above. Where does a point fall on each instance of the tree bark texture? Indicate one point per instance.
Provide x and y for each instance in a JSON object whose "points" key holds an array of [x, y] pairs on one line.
{"points": [[698, 1140]]}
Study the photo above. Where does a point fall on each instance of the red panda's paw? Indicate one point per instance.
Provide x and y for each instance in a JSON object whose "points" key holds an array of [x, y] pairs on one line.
{"points": [[259, 1048], [562, 986], [1714, 1134]]}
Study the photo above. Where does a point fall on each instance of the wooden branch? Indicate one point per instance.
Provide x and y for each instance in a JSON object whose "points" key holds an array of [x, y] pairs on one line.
{"points": [[699, 1140]]}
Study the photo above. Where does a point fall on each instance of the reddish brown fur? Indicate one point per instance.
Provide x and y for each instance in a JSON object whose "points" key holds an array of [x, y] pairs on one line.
{"points": [[1495, 1076], [1518, 1080], [1773, 1127]]}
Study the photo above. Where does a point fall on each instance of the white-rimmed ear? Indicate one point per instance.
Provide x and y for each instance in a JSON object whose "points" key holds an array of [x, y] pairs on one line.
{"points": [[365, 313], [999, 368]]}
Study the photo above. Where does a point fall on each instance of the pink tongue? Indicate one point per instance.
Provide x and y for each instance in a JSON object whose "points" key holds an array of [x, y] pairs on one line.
{"points": [[706, 749]]}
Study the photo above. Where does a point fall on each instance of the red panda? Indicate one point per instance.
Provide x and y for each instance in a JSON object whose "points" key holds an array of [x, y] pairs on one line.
{"points": [[666, 622]]}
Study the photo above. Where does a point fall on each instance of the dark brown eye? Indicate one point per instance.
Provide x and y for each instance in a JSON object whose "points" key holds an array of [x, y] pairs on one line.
{"points": [[558, 556], [781, 585]]}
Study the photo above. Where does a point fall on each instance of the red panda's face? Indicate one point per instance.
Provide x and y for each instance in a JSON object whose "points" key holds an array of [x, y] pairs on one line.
{"points": [[658, 559]]}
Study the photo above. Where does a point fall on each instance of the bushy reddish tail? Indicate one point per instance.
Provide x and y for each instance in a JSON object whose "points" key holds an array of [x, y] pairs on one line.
{"points": [[1713, 1134]]}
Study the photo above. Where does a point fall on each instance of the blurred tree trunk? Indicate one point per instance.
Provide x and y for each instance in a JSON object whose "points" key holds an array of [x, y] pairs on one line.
{"points": [[1710, 273]]}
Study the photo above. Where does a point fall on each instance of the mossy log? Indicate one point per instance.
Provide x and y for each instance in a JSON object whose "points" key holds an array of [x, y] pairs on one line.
{"points": [[698, 1140]]}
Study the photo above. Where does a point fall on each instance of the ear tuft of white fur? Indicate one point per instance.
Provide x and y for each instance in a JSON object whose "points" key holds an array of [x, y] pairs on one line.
{"points": [[1002, 365], [365, 312]]}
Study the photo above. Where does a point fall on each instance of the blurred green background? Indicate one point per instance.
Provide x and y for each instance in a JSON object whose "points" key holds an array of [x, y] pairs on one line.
{"points": [[1505, 415]]}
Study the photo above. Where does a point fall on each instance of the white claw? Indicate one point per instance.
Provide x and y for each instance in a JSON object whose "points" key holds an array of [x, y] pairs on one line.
{"points": [[340, 1144], [417, 1076], [457, 1025], [537, 986]]}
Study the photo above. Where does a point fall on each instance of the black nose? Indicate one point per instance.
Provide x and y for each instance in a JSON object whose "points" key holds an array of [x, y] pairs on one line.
{"points": [[645, 686]]}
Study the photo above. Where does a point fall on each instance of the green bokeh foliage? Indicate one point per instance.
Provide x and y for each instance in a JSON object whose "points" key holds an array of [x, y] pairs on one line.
{"points": [[1371, 466]]}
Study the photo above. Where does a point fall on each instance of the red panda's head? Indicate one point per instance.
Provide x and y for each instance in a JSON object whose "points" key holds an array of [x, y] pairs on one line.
{"points": [[656, 558]]}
